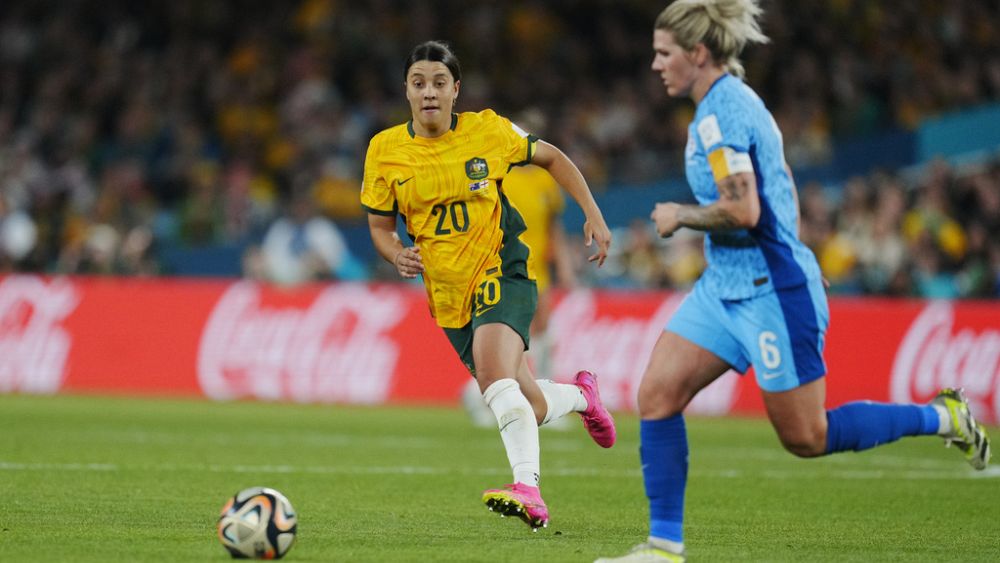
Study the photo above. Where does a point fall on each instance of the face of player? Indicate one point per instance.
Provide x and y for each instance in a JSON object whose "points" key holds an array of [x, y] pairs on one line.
{"points": [[675, 65], [431, 91]]}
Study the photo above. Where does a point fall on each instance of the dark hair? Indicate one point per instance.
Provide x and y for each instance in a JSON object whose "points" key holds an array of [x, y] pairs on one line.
{"points": [[434, 51]]}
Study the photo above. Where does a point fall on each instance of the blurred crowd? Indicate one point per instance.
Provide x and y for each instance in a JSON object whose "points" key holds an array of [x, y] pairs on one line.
{"points": [[931, 232], [128, 127]]}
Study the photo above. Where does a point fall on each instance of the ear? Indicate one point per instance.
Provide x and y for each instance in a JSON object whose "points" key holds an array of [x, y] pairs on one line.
{"points": [[458, 86], [701, 55]]}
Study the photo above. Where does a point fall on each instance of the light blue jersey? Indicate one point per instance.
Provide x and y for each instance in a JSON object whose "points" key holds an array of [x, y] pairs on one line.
{"points": [[747, 263], [761, 300]]}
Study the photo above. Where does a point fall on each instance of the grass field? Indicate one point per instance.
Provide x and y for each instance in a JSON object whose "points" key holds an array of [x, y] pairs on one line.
{"points": [[100, 479]]}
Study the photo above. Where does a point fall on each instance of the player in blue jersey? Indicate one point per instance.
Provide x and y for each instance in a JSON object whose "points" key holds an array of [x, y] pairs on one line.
{"points": [[761, 300]]}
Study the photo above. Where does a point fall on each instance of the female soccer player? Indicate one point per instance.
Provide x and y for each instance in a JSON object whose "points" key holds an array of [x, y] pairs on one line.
{"points": [[761, 299], [444, 172]]}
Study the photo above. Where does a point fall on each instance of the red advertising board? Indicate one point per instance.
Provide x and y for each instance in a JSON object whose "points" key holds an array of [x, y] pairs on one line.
{"points": [[376, 343]]}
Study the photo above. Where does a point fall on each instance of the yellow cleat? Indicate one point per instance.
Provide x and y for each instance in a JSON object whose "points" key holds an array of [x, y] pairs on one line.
{"points": [[966, 434]]}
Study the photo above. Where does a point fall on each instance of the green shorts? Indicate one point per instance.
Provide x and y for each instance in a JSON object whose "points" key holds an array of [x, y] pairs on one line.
{"points": [[508, 300]]}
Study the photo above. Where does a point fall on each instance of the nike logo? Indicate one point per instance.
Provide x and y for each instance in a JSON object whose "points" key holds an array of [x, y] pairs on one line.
{"points": [[401, 182], [770, 376]]}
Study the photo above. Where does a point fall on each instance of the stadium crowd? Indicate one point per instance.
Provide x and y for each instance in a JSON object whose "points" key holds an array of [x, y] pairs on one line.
{"points": [[129, 127], [932, 233]]}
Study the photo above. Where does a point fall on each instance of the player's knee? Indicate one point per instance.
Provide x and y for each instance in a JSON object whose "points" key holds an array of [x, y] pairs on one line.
{"points": [[804, 442], [658, 401]]}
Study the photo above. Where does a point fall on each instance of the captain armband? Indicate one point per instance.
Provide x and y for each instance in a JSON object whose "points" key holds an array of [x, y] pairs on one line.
{"points": [[726, 162]]}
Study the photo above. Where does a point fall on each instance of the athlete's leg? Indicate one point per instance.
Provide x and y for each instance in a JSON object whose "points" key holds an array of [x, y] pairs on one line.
{"points": [[784, 333], [677, 370], [535, 395], [799, 418], [474, 401], [806, 429], [497, 350], [540, 353]]}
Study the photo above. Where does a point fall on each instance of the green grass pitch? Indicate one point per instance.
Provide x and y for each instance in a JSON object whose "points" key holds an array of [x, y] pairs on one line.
{"points": [[113, 479]]}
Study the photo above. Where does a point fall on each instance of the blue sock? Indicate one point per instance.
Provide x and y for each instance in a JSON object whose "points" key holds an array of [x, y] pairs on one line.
{"points": [[664, 453], [862, 425]]}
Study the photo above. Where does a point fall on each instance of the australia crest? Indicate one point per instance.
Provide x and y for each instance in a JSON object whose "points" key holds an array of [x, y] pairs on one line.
{"points": [[476, 168]]}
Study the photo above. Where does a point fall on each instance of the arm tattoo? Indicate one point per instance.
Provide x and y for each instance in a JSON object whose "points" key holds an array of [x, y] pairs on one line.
{"points": [[715, 217], [733, 187], [709, 218]]}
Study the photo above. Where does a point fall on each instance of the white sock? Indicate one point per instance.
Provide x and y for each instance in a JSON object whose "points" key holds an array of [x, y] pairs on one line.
{"points": [[667, 545], [944, 416], [561, 399], [518, 429]]}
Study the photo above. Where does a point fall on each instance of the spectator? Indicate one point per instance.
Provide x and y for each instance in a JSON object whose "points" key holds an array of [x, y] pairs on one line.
{"points": [[300, 246], [18, 235], [214, 114]]}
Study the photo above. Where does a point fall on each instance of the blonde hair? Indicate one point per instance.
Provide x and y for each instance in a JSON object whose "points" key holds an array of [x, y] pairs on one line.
{"points": [[724, 26]]}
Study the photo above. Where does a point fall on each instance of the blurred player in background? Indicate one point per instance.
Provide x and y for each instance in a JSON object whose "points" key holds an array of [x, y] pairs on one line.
{"points": [[443, 172], [761, 300], [537, 197]]}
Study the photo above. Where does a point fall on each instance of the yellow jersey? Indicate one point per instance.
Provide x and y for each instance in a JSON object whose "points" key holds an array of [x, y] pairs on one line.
{"points": [[537, 197], [448, 190]]}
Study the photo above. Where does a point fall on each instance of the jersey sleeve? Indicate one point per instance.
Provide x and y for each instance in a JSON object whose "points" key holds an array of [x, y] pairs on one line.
{"points": [[377, 196], [519, 145], [726, 139]]}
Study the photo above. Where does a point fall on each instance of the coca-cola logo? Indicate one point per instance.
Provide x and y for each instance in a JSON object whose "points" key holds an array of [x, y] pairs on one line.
{"points": [[33, 344], [934, 354], [335, 350], [618, 348]]}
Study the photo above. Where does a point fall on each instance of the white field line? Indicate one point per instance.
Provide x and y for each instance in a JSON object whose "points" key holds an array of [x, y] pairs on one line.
{"points": [[17, 466], [314, 439], [842, 474], [550, 442]]}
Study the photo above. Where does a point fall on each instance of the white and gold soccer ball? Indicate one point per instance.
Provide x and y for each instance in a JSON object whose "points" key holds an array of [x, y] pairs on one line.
{"points": [[257, 523]]}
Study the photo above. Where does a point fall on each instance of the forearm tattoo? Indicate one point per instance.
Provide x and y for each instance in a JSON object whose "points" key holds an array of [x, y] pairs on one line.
{"points": [[709, 218], [715, 217]]}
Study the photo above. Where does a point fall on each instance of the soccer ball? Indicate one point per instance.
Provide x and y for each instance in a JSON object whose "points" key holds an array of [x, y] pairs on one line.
{"points": [[257, 523]]}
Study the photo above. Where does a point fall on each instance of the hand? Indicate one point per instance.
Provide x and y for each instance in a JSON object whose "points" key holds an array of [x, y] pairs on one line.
{"points": [[408, 262], [597, 229], [665, 217]]}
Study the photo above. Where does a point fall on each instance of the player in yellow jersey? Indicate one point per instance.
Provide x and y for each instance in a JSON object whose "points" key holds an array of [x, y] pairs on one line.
{"points": [[444, 173], [538, 199]]}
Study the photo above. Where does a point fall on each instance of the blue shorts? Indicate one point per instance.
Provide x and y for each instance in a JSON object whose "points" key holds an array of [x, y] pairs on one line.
{"points": [[780, 333]]}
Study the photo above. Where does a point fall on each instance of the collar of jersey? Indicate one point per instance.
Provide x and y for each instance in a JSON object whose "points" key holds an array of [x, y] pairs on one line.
{"points": [[413, 134], [718, 80]]}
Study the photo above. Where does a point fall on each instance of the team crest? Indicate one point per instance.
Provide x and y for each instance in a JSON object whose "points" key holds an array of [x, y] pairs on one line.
{"points": [[476, 169]]}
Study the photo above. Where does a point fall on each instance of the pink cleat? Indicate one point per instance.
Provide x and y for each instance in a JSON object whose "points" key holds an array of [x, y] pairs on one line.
{"points": [[596, 418], [523, 501]]}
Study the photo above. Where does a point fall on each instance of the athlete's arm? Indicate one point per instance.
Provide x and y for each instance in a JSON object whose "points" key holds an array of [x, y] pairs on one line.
{"points": [[569, 177], [738, 207], [406, 259]]}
